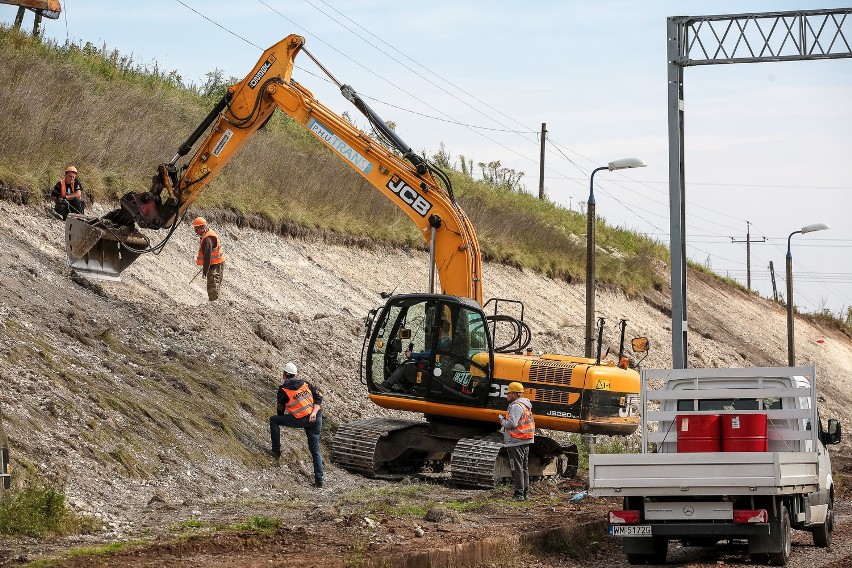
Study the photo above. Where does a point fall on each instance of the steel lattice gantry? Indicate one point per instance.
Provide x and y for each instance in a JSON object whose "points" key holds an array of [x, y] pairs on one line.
{"points": [[738, 38]]}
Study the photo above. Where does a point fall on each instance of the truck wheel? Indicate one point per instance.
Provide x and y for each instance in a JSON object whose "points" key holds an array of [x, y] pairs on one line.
{"points": [[822, 533], [781, 538], [636, 558]]}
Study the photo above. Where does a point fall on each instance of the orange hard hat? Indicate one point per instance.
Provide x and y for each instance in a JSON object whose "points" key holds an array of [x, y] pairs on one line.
{"points": [[70, 169], [199, 222]]}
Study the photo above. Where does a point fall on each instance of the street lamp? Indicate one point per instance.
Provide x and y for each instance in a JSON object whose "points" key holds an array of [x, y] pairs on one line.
{"points": [[791, 350], [621, 164]]}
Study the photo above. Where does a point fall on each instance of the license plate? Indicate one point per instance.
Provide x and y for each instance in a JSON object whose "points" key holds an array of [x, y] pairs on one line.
{"points": [[630, 530]]}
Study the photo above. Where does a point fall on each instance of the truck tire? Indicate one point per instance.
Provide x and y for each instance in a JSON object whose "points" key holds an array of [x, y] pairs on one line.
{"points": [[781, 538], [822, 532]]}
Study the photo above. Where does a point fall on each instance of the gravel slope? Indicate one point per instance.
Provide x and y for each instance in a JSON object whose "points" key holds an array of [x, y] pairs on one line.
{"points": [[148, 405]]}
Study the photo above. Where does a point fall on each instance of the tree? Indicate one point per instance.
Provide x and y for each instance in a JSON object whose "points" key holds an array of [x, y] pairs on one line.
{"points": [[442, 158]]}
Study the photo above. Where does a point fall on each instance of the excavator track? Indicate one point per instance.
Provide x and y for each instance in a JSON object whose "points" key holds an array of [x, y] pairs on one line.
{"points": [[477, 462], [357, 446]]}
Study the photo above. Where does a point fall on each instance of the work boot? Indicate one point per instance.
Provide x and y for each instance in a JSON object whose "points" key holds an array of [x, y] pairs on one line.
{"points": [[274, 453], [518, 497], [318, 484]]}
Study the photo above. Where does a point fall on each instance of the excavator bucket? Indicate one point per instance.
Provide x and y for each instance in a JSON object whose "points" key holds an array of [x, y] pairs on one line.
{"points": [[48, 8], [100, 249]]}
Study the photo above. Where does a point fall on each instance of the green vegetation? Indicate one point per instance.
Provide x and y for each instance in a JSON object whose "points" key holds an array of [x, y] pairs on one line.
{"points": [[38, 510], [260, 524], [602, 445]]}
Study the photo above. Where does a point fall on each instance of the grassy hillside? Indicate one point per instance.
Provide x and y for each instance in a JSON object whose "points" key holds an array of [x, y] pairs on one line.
{"points": [[116, 121]]}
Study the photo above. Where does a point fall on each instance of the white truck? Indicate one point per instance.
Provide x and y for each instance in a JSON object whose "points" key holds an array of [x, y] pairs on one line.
{"points": [[727, 454]]}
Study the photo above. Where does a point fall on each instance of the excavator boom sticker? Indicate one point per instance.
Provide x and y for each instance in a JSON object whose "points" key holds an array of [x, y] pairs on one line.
{"points": [[261, 72], [339, 145], [220, 145]]}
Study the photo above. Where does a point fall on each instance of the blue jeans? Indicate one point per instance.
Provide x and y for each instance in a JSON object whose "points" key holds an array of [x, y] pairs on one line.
{"points": [[312, 431]]}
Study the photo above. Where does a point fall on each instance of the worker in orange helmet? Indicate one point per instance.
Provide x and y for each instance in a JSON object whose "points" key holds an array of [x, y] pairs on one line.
{"points": [[210, 257], [68, 194]]}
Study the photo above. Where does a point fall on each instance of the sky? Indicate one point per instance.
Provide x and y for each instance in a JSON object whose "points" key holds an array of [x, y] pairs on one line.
{"points": [[768, 146]]}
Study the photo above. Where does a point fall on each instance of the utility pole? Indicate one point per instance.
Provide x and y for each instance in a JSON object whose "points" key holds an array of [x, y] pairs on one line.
{"points": [[772, 273], [748, 242], [541, 162]]}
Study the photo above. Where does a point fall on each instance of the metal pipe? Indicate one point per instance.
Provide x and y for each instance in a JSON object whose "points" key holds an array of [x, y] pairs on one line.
{"points": [[432, 260], [791, 348], [590, 264]]}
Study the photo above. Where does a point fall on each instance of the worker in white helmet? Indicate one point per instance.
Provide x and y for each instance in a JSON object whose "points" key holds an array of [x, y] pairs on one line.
{"points": [[299, 406]]}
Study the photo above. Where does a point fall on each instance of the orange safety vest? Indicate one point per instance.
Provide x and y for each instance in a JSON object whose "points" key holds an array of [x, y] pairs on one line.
{"points": [[216, 255], [525, 430], [301, 401], [64, 189]]}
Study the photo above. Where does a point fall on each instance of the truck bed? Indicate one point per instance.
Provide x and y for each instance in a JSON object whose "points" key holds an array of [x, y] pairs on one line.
{"points": [[702, 474]]}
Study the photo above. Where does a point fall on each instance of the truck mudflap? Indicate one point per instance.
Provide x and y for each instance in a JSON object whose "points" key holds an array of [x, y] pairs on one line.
{"points": [[99, 248]]}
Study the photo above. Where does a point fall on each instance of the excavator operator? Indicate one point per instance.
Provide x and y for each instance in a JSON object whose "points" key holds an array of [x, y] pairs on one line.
{"points": [[405, 376]]}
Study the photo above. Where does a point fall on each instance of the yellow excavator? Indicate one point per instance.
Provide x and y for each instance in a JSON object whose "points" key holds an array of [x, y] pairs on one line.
{"points": [[458, 384]]}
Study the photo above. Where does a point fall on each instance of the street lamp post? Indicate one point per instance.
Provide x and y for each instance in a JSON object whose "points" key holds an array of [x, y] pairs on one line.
{"points": [[791, 348], [621, 164]]}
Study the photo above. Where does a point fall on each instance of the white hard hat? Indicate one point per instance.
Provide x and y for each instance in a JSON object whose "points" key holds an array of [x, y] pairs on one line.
{"points": [[291, 369]]}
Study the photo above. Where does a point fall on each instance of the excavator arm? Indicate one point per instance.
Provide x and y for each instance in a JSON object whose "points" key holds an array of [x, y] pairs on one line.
{"points": [[104, 247]]}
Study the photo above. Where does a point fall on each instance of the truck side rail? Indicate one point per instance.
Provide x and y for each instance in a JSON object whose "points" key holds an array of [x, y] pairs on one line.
{"points": [[790, 429], [702, 474]]}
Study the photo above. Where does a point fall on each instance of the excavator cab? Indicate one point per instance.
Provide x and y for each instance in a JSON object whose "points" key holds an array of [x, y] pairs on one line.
{"points": [[430, 347]]}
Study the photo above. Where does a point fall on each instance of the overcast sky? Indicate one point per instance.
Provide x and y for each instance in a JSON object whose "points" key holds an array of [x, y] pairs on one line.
{"points": [[767, 143]]}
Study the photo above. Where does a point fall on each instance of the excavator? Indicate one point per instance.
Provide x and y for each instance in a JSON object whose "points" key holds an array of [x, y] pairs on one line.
{"points": [[457, 384]]}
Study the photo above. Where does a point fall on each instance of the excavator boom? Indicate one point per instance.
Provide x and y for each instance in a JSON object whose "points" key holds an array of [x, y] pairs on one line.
{"points": [[99, 248], [458, 386]]}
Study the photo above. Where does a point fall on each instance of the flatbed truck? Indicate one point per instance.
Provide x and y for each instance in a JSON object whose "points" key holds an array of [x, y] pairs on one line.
{"points": [[727, 454]]}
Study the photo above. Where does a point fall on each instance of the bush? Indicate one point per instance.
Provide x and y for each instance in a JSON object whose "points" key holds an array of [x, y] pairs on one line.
{"points": [[34, 511]]}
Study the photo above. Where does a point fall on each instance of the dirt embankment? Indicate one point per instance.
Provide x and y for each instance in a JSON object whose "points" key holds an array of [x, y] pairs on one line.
{"points": [[148, 406]]}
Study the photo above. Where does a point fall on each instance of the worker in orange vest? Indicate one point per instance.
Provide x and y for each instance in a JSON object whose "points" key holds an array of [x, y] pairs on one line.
{"points": [[518, 434], [68, 194], [210, 257], [299, 406]]}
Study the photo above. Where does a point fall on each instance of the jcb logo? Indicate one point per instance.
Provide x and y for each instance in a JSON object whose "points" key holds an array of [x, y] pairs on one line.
{"points": [[409, 195]]}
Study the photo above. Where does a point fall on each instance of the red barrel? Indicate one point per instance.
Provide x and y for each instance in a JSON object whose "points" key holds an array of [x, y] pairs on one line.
{"points": [[699, 433], [744, 433]]}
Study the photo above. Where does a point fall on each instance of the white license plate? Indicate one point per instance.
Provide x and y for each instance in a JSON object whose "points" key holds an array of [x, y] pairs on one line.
{"points": [[630, 530]]}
